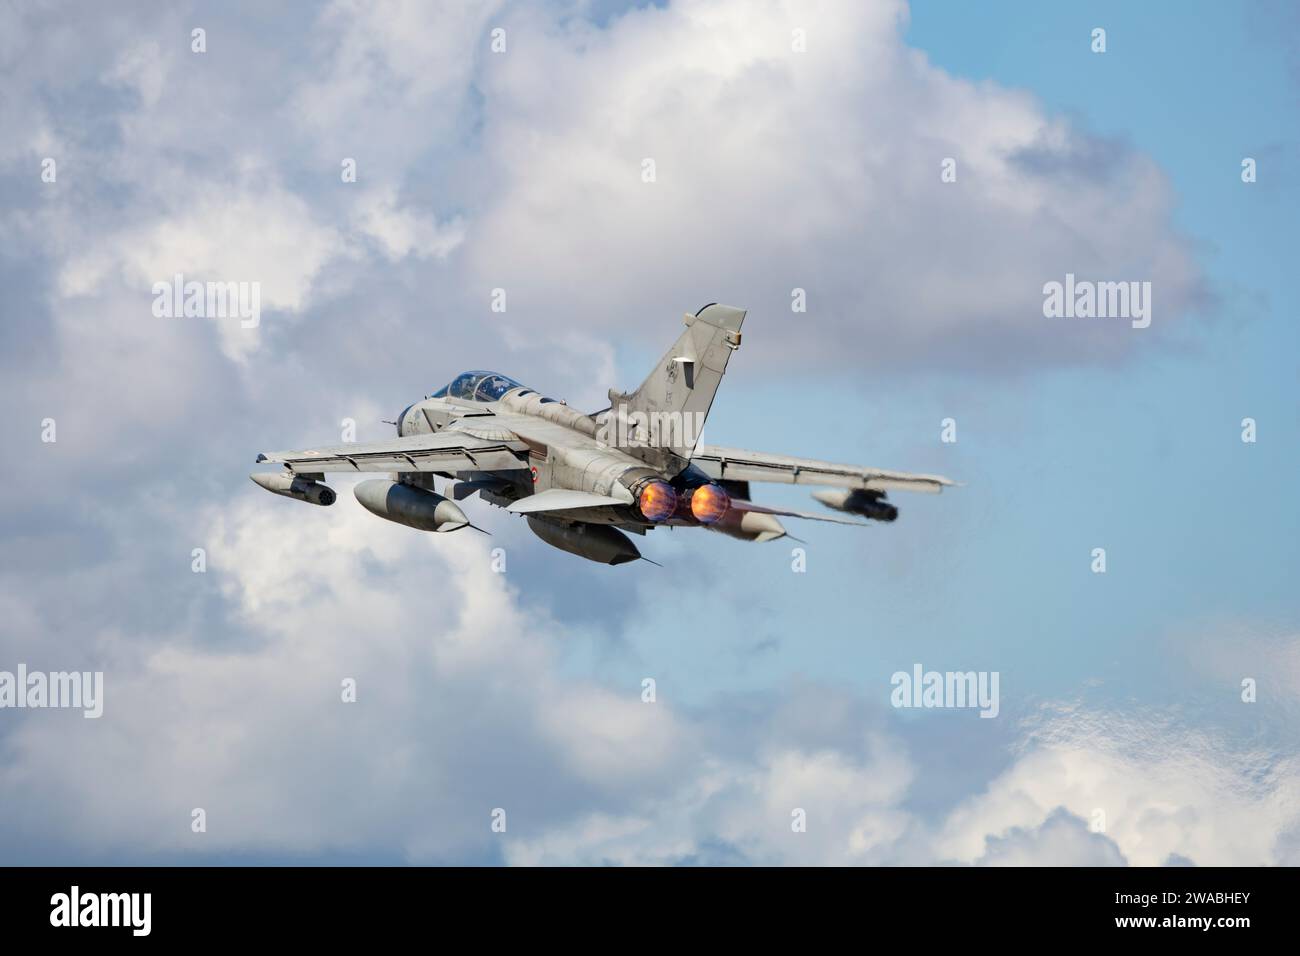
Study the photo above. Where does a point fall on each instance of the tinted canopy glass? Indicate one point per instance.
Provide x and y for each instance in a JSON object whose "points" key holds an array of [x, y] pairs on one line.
{"points": [[478, 386]]}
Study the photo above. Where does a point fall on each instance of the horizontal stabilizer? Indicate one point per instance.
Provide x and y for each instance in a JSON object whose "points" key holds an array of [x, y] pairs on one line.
{"points": [[561, 499], [787, 513]]}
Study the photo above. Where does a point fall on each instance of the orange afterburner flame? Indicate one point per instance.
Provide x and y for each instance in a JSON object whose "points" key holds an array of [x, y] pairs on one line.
{"points": [[657, 500], [709, 503]]}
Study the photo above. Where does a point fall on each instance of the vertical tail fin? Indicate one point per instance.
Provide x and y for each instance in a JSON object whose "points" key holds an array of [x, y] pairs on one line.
{"points": [[661, 421]]}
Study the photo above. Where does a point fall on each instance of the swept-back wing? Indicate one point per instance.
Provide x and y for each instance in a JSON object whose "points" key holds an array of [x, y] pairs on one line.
{"points": [[737, 464], [448, 451]]}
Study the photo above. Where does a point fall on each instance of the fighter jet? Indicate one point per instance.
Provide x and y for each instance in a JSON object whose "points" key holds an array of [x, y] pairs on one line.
{"points": [[585, 481]]}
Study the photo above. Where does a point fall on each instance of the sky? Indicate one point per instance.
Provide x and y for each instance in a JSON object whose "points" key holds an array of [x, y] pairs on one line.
{"points": [[795, 146]]}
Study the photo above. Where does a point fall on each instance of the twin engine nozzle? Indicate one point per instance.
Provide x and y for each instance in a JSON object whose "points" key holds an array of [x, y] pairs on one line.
{"points": [[658, 501]]}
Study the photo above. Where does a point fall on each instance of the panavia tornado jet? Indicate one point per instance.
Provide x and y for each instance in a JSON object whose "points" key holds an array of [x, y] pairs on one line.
{"points": [[583, 482]]}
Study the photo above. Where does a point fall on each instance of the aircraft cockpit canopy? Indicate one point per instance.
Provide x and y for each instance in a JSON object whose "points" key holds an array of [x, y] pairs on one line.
{"points": [[477, 387]]}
